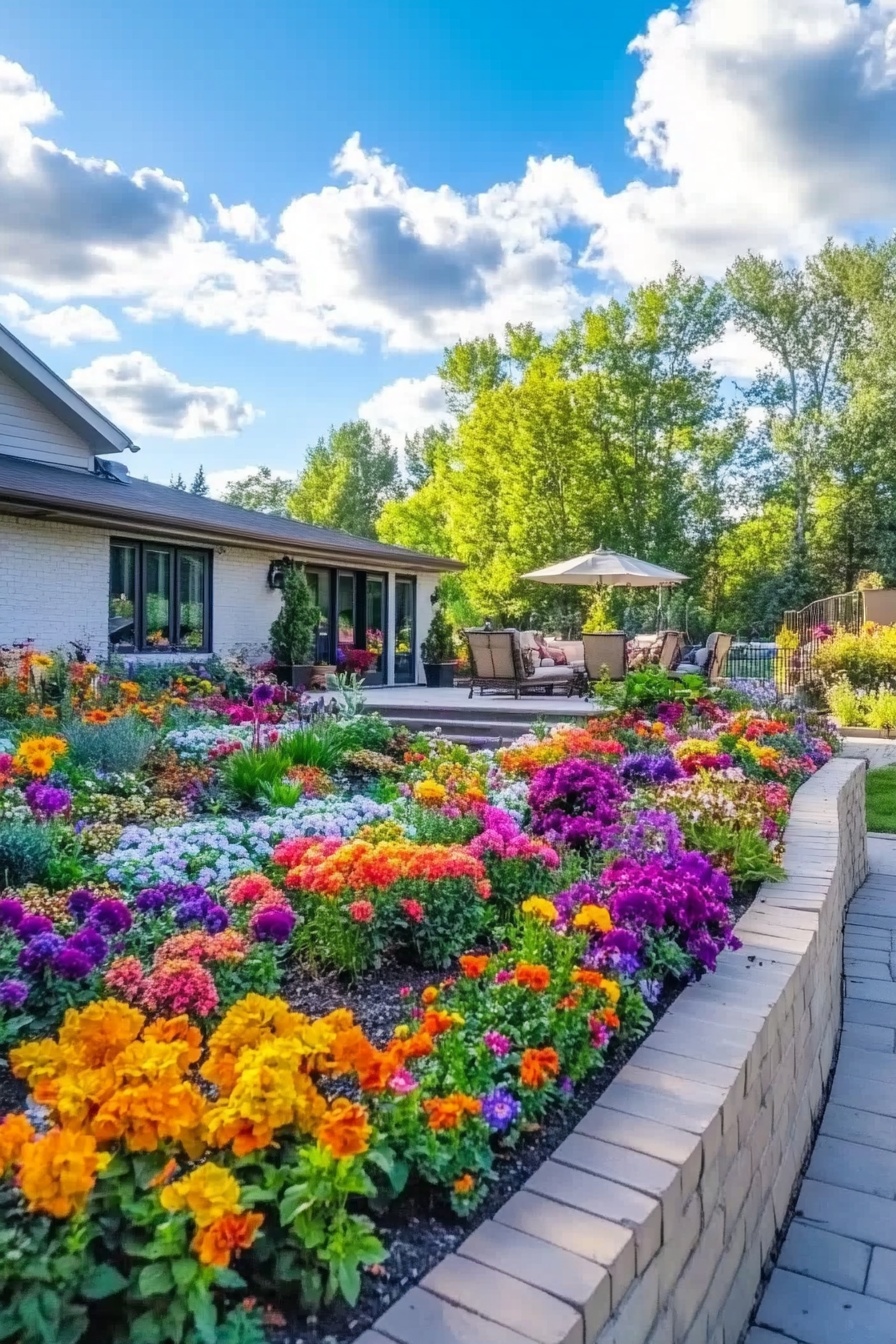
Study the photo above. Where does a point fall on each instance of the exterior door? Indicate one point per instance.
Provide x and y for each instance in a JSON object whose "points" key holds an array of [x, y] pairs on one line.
{"points": [[405, 631], [375, 639]]}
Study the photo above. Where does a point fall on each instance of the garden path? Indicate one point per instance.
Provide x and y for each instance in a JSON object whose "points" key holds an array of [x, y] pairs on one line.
{"points": [[835, 1277]]}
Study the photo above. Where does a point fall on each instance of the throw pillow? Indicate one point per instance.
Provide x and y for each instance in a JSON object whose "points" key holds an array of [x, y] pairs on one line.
{"points": [[557, 654]]}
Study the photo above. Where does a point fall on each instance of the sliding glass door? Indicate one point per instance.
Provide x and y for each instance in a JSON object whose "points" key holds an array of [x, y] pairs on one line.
{"points": [[405, 631], [375, 627]]}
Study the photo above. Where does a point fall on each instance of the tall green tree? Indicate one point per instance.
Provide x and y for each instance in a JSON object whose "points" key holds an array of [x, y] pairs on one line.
{"points": [[262, 491], [347, 479], [199, 485]]}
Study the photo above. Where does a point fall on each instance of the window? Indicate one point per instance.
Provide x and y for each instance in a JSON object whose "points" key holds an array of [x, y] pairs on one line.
{"points": [[319, 583], [159, 598]]}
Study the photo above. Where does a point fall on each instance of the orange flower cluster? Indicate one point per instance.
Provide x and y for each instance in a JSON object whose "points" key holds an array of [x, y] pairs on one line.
{"points": [[474, 966], [564, 743], [211, 1195], [538, 1067], [531, 976], [448, 1112], [333, 867]]}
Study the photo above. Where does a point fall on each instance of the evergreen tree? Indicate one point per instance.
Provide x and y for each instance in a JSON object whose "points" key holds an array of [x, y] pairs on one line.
{"points": [[200, 484], [178, 483]]}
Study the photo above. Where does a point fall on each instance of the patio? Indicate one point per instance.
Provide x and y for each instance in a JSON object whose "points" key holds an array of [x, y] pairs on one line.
{"points": [[485, 719]]}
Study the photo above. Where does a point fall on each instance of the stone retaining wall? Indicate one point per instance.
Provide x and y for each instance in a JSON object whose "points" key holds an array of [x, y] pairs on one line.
{"points": [[652, 1221]]}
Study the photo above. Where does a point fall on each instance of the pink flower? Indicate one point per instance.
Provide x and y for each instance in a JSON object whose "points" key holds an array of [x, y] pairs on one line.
{"points": [[503, 977], [402, 1082], [125, 977], [362, 912], [405, 992], [499, 1044], [413, 910]]}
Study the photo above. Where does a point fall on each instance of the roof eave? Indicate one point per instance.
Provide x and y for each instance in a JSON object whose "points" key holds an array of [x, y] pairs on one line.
{"points": [[53, 392]]}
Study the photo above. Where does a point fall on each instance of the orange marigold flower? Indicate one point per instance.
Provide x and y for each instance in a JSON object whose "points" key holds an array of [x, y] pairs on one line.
{"points": [[473, 966], [15, 1131], [215, 1244], [610, 1019], [464, 1184], [590, 979], [435, 1021], [448, 1112], [429, 995], [345, 1130], [58, 1171], [532, 976], [97, 716], [538, 1067]]}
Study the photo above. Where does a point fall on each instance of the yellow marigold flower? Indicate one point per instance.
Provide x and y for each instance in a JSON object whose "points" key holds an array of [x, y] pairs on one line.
{"points": [[37, 1061], [41, 660], [270, 1092], [541, 908], [254, 1019], [612, 990], [430, 793], [58, 1172], [15, 1131], [208, 1193], [594, 917], [97, 1034]]}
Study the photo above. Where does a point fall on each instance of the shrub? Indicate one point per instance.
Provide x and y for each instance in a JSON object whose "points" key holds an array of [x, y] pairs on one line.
{"points": [[881, 710], [293, 630], [26, 853], [438, 646], [118, 747], [848, 705], [867, 660], [247, 771], [323, 745]]}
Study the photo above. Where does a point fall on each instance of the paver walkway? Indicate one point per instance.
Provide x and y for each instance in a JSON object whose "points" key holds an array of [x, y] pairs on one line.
{"points": [[835, 1278]]}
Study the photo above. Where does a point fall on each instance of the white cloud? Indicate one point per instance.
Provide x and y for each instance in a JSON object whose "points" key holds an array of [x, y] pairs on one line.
{"points": [[147, 399], [737, 354], [66, 325], [406, 406], [218, 481], [764, 124], [243, 221], [775, 124]]}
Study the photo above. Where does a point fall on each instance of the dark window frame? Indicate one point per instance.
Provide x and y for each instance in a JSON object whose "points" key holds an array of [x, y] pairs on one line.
{"points": [[174, 550]]}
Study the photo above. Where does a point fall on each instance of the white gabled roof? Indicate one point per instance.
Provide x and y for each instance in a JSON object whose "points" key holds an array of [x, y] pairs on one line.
{"points": [[63, 401]]}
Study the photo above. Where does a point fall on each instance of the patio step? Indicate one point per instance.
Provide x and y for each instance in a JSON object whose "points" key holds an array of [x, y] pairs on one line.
{"points": [[465, 726]]}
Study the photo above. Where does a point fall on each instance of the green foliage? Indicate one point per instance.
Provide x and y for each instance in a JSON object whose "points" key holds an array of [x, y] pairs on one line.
{"points": [[26, 853], [347, 479], [262, 491], [323, 744], [866, 660], [294, 628], [438, 646], [881, 710], [118, 747], [742, 851], [649, 687], [881, 799], [848, 706], [245, 773], [599, 616]]}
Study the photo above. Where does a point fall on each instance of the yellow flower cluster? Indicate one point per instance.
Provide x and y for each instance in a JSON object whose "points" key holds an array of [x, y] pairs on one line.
{"points": [[37, 755], [540, 908], [211, 1195], [764, 756]]}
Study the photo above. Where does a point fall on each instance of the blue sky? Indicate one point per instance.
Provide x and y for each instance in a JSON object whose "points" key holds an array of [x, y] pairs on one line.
{"points": [[237, 339]]}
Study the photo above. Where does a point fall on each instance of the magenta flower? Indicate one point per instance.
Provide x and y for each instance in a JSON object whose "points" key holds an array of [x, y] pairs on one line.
{"points": [[499, 1044]]}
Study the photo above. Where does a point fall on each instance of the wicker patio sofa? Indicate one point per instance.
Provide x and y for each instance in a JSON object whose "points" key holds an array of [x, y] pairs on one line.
{"points": [[711, 660], [498, 663], [605, 655]]}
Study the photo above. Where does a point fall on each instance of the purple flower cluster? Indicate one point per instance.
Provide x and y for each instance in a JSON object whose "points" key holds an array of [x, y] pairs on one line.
{"points": [[503, 837], [650, 768], [273, 923], [45, 800], [192, 905], [684, 896], [577, 803], [13, 993], [500, 1109], [42, 948], [652, 832]]}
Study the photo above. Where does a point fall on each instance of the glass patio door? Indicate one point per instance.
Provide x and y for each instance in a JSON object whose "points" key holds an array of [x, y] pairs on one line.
{"points": [[375, 627], [405, 631]]}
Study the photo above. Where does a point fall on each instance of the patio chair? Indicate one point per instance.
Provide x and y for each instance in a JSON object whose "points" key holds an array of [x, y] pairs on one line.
{"points": [[497, 664], [671, 650], [709, 661], [605, 655]]}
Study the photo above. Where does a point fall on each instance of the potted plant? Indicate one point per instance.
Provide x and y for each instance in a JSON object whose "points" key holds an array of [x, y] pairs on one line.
{"points": [[437, 651], [294, 629]]}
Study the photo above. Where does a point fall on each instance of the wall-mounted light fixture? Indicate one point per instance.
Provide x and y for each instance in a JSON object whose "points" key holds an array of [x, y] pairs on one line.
{"points": [[277, 571]]}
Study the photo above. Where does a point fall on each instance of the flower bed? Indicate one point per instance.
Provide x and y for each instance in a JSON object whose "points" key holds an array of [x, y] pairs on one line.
{"points": [[192, 944]]}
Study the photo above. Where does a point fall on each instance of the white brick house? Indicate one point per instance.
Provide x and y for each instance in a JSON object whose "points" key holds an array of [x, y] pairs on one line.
{"points": [[93, 556]]}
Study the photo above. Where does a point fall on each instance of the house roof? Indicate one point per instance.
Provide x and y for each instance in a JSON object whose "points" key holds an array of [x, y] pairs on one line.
{"points": [[51, 391], [122, 503]]}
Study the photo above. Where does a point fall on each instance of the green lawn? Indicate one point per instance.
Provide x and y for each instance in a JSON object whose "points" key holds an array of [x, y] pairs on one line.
{"points": [[881, 799]]}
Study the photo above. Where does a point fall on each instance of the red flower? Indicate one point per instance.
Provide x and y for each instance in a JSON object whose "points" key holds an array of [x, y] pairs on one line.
{"points": [[413, 910], [362, 912]]}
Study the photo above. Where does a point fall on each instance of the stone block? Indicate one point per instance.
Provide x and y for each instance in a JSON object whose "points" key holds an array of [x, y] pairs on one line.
{"points": [[852, 1213], [637, 1314], [661, 1180], [853, 1061], [868, 1037], [675, 1252], [738, 1306], [853, 1165], [655, 1139], [651, 1056], [510, 1303], [591, 1237], [595, 1195], [650, 1103], [695, 1278], [582, 1283], [825, 1255], [820, 1313], [882, 1275], [422, 1316], [845, 1122], [866, 1093]]}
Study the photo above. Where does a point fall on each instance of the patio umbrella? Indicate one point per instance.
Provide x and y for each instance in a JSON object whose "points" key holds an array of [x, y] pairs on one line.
{"points": [[608, 569]]}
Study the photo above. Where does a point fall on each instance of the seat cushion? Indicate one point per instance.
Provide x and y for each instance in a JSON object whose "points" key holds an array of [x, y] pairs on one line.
{"points": [[548, 674]]}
